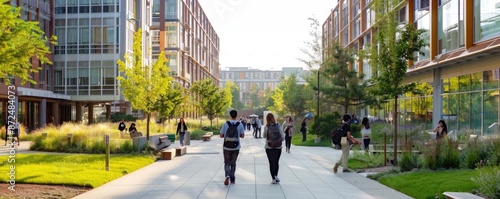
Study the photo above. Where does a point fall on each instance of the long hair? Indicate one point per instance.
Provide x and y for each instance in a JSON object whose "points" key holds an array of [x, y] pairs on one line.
{"points": [[445, 127], [270, 118], [366, 123], [289, 119], [181, 120]]}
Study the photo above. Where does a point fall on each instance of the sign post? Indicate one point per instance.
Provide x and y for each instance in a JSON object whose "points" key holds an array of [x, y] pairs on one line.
{"points": [[106, 143]]}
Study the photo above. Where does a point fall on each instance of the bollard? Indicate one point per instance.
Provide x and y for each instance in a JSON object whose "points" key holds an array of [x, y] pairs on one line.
{"points": [[70, 137], [106, 143]]}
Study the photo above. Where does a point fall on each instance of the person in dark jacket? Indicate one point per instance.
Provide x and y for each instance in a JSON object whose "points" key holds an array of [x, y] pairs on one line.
{"points": [[181, 130], [122, 127]]}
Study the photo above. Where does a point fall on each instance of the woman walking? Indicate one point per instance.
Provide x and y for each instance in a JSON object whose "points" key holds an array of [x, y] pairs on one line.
{"points": [[181, 131], [274, 138], [289, 129], [365, 132]]}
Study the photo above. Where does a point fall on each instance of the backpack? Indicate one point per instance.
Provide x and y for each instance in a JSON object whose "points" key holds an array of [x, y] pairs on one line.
{"points": [[274, 139], [338, 133], [231, 135], [121, 127]]}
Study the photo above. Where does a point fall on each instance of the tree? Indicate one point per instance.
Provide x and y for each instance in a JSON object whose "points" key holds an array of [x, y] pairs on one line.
{"points": [[295, 95], [313, 47], [212, 99], [254, 95], [395, 47], [279, 105], [170, 104], [345, 87], [19, 41], [235, 93], [142, 85]]}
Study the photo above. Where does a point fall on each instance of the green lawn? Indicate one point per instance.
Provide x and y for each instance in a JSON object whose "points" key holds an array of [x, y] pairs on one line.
{"points": [[71, 169], [426, 184]]}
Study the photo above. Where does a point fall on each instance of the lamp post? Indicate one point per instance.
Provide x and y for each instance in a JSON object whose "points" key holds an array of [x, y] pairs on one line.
{"points": [[317, 121]]}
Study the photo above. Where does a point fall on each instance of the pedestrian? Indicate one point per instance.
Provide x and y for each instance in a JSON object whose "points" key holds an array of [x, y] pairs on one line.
{"points": [[16, 130], [181, 130], [345, 144], [133, 131], [303, 129], [441, 129], [365, 132], [273, 150], [122, 127], [6, 124], [249, 123], [289, 129], [258, 127], [231, 131]]}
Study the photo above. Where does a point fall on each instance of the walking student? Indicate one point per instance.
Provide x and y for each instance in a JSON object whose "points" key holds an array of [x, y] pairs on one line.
{"points": [[365, 132], [345, 144], [181, 130], [122, 127], [16, 132], [303, 129], [231, 131], [289, 129], [258, 126], [274, 139]]}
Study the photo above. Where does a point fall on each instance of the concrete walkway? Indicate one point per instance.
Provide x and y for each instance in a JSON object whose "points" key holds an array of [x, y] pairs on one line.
{"points": [[305, 173]]}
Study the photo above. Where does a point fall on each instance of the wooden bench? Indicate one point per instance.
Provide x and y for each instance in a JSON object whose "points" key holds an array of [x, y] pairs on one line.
{"points": [[168, 153], [163, 142], [206, 137], [461, 195], [179, 151]]}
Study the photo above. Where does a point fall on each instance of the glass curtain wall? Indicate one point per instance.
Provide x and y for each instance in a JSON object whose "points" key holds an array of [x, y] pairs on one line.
{"points": [[486, 19]]}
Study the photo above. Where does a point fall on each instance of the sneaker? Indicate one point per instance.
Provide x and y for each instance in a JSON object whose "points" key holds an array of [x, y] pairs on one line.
{"points": [[276, 178], [274, 182], [226, 181], [233, 182], [346, 171], [335, 168]]}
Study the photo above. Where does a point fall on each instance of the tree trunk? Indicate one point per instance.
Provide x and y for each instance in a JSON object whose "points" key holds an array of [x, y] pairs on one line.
{"points": [[395, 118], [147, 127]]}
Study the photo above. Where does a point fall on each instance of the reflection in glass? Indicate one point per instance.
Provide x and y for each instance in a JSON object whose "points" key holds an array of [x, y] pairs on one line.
{"points": [[491, 79], [486, 19], [490, 111], [424, 24]]}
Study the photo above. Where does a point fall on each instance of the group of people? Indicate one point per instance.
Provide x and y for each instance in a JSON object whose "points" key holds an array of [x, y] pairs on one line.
{"points": [[15, 131], [181, 130], [132, 130], [255, 123]]}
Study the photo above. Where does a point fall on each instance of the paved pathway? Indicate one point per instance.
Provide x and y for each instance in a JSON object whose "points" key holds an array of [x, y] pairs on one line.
{"points": [[305, 173]]}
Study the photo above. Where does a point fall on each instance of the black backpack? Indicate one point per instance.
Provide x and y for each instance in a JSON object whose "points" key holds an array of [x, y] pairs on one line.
{"points": [[338, 133], [274, 139], [231, 136]]}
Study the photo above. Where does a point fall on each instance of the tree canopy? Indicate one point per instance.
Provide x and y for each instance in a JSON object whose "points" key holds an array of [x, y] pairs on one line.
{"points": [[19, 41], [143, 85], [211, 99]]}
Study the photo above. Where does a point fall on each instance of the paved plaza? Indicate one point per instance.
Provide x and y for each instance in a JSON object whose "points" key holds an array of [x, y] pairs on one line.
{"points": [[305, 173]]}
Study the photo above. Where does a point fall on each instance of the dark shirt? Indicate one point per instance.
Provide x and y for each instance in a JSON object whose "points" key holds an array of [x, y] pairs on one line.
{"points": [[346, 127], [132, 128], [122, 126]]}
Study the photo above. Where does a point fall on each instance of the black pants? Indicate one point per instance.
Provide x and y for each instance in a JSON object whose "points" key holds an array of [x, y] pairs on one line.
{"points": [[273, 155], [230, 158], [288, 140], [303, 136], [366, 142]]}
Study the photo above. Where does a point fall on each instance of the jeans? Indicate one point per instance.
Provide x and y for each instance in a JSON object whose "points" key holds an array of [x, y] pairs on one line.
{"points": [[230, 158], [288, 140], [273, 155], [366, 142], [258, 135], [181, 138]]}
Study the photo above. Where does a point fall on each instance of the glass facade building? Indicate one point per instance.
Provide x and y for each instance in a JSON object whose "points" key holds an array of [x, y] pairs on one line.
{"points": [[459, 71]]}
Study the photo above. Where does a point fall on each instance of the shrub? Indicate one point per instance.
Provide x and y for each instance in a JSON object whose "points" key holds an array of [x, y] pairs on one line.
{"points": [[489, 182], [196, 134], [327, 123], [472, 156], [370, 160]]}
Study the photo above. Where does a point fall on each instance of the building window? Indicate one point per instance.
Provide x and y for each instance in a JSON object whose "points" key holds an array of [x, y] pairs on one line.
{"points": [[345, 13], [156, 8], [336, 23], [171, 36], [356, 26], [486, 19], [155, 37], [171, 9], [424, 24], [450, 26]]}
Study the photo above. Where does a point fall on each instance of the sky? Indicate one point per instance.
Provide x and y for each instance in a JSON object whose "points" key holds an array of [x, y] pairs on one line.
{"points": [[264, 34]]}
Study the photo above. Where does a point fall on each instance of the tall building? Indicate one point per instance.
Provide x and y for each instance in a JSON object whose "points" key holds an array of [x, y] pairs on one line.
{"points": [[245, 78], [460, 65], [183, 31], [36, 104], [92, 36]]}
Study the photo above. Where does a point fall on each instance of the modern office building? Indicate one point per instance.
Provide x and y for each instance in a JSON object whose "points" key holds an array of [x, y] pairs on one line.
{"points": [[460, 66], [245, 78], [36, 104], [92, 36], [183, 31]]}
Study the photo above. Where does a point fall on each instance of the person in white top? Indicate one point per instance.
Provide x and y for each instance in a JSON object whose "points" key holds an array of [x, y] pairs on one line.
{"points": [[366, 132]]}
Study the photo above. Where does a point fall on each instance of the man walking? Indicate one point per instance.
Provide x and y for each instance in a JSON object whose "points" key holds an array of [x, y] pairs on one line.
{"points": [[231, 131]]}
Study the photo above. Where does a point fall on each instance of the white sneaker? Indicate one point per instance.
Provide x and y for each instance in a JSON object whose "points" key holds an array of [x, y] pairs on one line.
{"points": [[274, 182], [276, 179]]}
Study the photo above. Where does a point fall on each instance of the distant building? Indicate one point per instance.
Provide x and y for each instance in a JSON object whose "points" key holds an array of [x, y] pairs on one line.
{"points": [[245, 77]]}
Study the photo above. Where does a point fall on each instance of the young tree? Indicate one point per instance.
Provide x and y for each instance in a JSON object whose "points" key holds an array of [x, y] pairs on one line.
{"points": [[278, 105], [212, 99], [19, 41], [142, 85], [170, 104], [345, 87], [254, 96], [235, 93], [395, 46], [295, 95]]}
